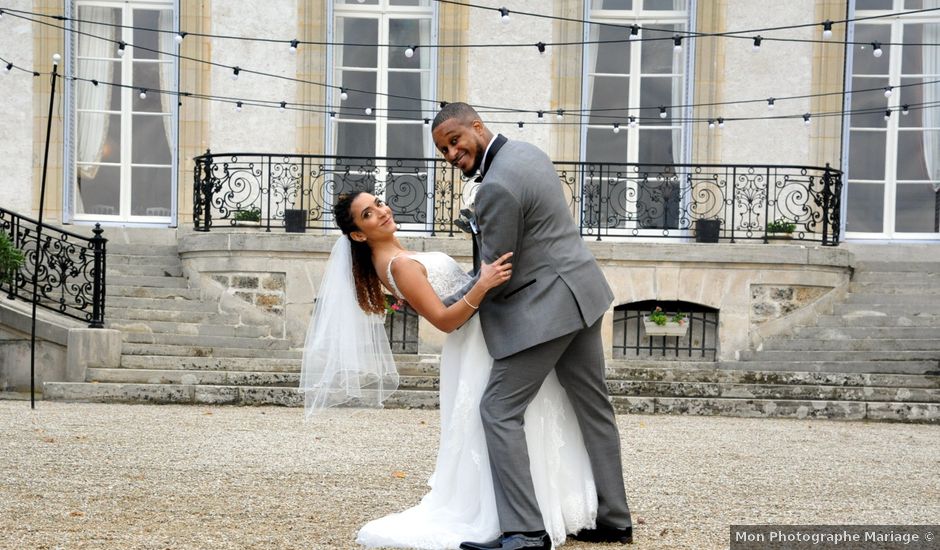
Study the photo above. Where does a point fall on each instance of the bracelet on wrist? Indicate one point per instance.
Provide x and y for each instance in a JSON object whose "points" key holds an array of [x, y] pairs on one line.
{"points": [[466, 301]]}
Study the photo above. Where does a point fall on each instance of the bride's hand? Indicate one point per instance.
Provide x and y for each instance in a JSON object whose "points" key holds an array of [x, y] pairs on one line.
{"points": [[494, 274]]}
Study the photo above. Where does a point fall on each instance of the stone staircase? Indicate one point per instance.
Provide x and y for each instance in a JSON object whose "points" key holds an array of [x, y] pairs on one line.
{"points": [[875, 358]]}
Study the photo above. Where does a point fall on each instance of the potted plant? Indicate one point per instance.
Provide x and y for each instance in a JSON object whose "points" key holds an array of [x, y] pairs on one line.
{"points": [[659, 323], [11, 258], [781, 228], [248, 218]]}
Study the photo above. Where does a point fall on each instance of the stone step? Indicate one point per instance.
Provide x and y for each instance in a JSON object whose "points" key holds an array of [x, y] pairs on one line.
{"points": [[878, 319], [819, 365], [730, 375], [254, 395], [913, 302], [163, 304], [207, 351], [905, 310], [230, 364], [857, 344], [898, 280], [205, 341], [846, 333], [119, 314], [192, 329], [171, 393], [842, 355], [145, 270], [144, 281], [142, 259], [137, 249], [885, 288], [115, 291], [780, 408], [870, 266], [204, 377]]}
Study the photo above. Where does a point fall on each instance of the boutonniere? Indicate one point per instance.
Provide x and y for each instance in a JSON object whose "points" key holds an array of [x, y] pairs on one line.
{"points": [[467, 222]]}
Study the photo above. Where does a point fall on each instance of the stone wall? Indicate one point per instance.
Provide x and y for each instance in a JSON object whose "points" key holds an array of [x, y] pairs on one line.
{"points": [[760, 290]]}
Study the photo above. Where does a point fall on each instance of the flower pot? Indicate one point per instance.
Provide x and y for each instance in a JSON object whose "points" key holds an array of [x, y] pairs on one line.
{"points": [[246, 223], [706, 231], [671, 328]]}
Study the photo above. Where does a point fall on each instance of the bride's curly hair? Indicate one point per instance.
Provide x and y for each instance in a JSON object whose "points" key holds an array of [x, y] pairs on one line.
{"points": [[368, 286]]}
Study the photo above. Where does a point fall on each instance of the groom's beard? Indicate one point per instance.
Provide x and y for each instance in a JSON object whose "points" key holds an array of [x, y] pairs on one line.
{"points": [[477, 162]]}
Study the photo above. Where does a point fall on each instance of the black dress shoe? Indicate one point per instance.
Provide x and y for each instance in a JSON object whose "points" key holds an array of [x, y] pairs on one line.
{"points": [[604, 533], [512, 542]]}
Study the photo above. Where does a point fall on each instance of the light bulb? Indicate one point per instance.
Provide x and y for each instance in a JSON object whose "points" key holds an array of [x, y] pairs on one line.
{"points": [[770, 104], [368, 110], [756, 46], [888, 91], [711, 123], [633, 122], [56, 58], [504, 15], [235, 71], [520, 124], [616, 127], [283, 106], [663, 113], [634, 32], [887, 114], [343, 95], [541, 47], [677, 43], [721, 122], [541, 114], [806, 119], [427, 122], [560, 114], [238, 106], [179, 37], [143, 94], [827, 29], [409, 51], [905, 109], [294, 44], [121, 46], [876, 49], [8, 68]]}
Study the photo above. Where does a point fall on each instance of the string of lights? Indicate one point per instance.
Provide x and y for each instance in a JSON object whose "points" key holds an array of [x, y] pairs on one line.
{"points": [[613, 122]]}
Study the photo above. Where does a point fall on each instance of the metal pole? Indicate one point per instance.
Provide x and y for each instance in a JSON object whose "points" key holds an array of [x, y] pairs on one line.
{"points": [[38, 258]]}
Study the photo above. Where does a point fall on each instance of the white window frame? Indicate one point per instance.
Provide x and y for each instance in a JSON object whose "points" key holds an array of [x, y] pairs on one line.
{"points": [[384, 12], [642, 18], [893, 124], [71, 120]]}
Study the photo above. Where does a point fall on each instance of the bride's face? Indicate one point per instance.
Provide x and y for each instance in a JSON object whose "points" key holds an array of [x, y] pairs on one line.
{"points": [[373, 218]]}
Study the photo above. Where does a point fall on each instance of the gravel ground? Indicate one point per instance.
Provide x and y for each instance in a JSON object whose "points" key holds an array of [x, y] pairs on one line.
{"points": [[144, 476]]}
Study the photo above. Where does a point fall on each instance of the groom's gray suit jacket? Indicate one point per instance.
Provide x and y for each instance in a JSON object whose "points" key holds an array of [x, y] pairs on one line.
{"points": [[556, 286]]}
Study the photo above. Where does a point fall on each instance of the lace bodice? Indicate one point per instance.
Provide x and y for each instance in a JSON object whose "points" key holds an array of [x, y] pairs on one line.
{"points": [[444, 273]]}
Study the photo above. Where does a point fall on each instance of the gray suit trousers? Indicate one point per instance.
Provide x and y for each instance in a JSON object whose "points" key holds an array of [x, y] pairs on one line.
{"points": [[578, 360]]}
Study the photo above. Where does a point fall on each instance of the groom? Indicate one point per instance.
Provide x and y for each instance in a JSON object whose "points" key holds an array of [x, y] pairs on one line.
{"points": [[548, 316]]}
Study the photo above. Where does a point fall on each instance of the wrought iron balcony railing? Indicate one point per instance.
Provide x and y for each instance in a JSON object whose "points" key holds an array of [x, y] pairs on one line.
{"points": [[606, 200], [69, 270]]}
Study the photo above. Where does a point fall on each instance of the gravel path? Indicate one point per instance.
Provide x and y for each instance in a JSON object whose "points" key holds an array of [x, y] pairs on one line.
{"points": [[143, 476]]}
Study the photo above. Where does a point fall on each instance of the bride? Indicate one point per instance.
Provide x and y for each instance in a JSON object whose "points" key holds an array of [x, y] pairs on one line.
{"points": [[355, 365]]}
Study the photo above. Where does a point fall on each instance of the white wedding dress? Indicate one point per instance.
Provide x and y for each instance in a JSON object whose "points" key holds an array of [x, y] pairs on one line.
{"points": [[461, 505]]}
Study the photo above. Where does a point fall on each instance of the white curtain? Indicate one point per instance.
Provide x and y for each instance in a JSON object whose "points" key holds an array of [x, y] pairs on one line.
{"points": [[167, 80], [678, 87], [931, 60], [93, 129], [424, 27]]}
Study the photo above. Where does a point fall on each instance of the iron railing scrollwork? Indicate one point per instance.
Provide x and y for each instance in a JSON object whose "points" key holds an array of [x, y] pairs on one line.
{"points": [[606, 199], [69, 268]]}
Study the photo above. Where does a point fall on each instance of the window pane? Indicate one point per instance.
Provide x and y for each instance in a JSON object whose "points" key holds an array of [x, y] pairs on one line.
{"points": [[657, 56], [102, 97], [916, 208], [865, 208], [359, 2], [873, 4], [612, 4], [149, 142], [609, 93], [99, 190], [912, 93], [865, 63], [612, 57], [656, 147], [147, 76], [919, 155], [406, 140], [405, 84], [363, 31], [605, 146], [355, 140], [99, 138], [873, 100], [92, 47], [678, 5], [656, 91], [917, 59], [410, 2], [407, 32], [867, 155], [148, 43], [150, 191], [355, 105], [913, 4]]}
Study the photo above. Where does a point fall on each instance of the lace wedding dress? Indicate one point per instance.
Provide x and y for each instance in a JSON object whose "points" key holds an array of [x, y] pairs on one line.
{"points": [[461, 505]]}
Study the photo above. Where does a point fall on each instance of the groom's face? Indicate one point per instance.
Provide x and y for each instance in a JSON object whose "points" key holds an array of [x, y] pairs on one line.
{"points": [[462, 143]]}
